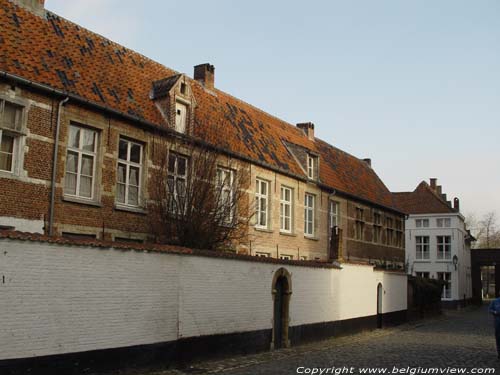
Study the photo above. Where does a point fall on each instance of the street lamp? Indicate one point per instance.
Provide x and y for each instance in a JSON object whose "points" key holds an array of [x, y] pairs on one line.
{"points": [[455, 261]]}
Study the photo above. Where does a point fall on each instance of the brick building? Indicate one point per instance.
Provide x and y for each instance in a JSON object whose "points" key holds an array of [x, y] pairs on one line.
{"points": [[80, 118]]}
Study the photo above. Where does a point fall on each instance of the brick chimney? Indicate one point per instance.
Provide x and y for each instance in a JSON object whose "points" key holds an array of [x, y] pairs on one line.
{"points": [[439, 190], [433, 183], [456, 204], [34, 6], [205, 74], [368, 161], [308, 129]]}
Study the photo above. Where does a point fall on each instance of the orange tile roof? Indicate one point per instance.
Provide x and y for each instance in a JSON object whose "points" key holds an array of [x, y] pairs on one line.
{"points": [[423, 200], [60, 54]]}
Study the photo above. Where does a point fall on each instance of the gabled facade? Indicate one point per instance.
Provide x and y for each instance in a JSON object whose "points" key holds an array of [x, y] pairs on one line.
{"points": [[82, 118], [437, 240]]}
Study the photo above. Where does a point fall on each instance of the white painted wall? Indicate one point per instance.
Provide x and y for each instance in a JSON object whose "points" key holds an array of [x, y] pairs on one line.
{"points": [[60, 299], [461, 282]]}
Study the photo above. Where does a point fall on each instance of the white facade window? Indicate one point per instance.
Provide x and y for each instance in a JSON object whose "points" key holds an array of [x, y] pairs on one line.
{"points": [[262, 254], [129, 173], [443, 247], [334, 214], [422, 223], [286, 195], [180, 117], [262, 203], [311, 166], [225, 182], [445, 276], [377, 227], [176, 181], [11, 123], [286, 256], [309, 208], [424, 275], [443, 223], [422, 247], [81, 157]]}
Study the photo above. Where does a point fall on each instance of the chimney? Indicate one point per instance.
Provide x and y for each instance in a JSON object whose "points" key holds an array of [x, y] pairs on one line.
{"points": [[433, 183], [308, 129], [205, 74], [34, 6], [368, 161], [439, 190], [456, 204], [444, 197]]}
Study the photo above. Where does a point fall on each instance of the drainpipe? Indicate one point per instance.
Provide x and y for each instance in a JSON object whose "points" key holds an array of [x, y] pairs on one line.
{"points": [[54, 167]]}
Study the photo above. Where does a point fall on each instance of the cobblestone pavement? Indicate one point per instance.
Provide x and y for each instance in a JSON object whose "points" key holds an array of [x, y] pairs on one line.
{"points": [[458, 339]]}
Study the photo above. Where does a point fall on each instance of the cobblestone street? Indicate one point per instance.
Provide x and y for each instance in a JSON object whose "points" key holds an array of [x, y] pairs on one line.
{"points": [[458, 339]]}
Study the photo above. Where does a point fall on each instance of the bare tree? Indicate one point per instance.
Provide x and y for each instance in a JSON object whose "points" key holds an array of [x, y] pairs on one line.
{"points": [[198, 198], [486, 230]]}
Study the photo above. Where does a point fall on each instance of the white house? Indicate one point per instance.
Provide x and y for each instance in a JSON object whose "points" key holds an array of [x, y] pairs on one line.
{"points": [[437, 242]]}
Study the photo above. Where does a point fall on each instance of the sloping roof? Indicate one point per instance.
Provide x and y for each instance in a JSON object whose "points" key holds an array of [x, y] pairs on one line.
{"points": [[423, 200], [60, 54]]}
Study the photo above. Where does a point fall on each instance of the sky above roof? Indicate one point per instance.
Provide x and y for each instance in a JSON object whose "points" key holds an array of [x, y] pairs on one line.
{"points": [[413, 85]]}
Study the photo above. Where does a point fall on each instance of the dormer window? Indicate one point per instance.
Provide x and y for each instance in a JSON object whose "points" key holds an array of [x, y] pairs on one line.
{"points": [[312, 162], [180, 117]]}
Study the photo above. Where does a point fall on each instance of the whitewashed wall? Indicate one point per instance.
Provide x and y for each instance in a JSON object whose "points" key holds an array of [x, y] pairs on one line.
{"points": [[60, 299]]}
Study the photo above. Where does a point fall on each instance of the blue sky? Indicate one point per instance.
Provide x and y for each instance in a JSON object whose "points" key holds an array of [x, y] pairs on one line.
{"points": [[414, 85]]}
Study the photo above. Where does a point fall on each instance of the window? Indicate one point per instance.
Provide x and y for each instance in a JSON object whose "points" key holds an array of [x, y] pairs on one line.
{"points": [[390, 231], [424, 275], [129, 240], [81, 158], [129, 173], [309, 204], [443, 223], [286, 256], [286, 195], [443, 247], [445, 276], [311, 166], [377, 227], [225, 180], [303, 257], [422, 223], [180, 117], [334, 214], [79, 236], [262, 203], [422, 247], [11, 123], [360, 224], [176, 182], [262, 254]]}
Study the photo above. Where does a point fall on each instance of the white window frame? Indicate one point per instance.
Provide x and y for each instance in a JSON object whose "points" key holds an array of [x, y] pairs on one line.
{"points": [[16, 133], [283, 204], [443, 242], [423, 274], [226, 188], [80, 153], [309, 208], [311, 164], [262, 254], [333, 216], [443, 222], [128, 164], [260, 200], [445, 276], [422, 247], [286, 256], [176, 176], [422, 223]]}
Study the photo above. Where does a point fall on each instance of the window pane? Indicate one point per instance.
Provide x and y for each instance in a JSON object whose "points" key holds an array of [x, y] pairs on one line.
{"points": [[181, 187], [9, 116], [72, 162], [171, 163], [170, 184], [7, 144], [87, 165], [133, 195], [88, 140], [181, 166], [121, 173], [5, 162], [74, 137], [86, 186], [70, 183], [120, 193], [122, 149], [135, 153], [134, 176]]}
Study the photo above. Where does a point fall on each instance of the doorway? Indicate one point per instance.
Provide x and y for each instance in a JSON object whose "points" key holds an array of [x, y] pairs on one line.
{"points": [[281, 291]]}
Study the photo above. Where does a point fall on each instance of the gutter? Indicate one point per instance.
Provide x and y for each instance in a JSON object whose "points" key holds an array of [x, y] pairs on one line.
{"points": [[54, 166], [155, 127]]}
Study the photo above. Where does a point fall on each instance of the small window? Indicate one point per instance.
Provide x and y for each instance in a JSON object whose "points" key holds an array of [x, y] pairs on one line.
{"points": [[309, 213], [262, 254], [79, 236], [333, 216], [262, 203], [129, 172], [422, 250], [311, 166], [303, 257], [177, 170], [81, 157], [225, 193], [443, 223], [129, 240], [377, 227], [180, 117], [11, 123], [360, 224], [286, 195], [286, 257], [422, 223], [183, 88]]}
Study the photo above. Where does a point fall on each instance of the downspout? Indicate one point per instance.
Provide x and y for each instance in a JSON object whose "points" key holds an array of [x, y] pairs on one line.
{"points": [[54, 167]]}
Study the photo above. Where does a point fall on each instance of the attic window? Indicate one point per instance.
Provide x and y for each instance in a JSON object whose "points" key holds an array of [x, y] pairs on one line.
{"points": [[183, 88], [312, 162], [180, 117]]}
